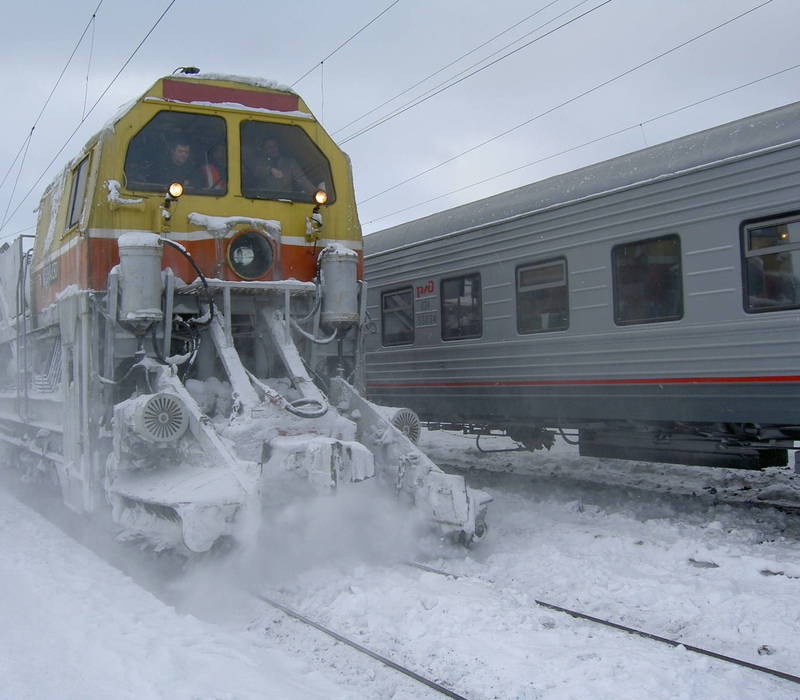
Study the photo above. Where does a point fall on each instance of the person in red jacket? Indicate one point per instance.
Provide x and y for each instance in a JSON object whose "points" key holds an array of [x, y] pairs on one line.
{"points": [[214, 172]]}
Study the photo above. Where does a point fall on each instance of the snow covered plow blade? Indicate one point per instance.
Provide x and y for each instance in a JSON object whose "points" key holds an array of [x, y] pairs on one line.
{"points": [[446, 498], [194, 460]]}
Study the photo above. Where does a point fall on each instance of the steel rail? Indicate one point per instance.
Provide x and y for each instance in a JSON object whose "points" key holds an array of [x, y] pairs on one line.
{"points": [[358, 647], [632, 630]]}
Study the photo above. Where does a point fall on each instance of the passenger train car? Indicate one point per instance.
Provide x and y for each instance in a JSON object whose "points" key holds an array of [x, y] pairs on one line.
{"points": [[651, 301], [186, 332]]}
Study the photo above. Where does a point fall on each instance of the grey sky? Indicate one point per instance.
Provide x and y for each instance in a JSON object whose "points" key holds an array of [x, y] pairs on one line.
{"points": [[413, 39]]}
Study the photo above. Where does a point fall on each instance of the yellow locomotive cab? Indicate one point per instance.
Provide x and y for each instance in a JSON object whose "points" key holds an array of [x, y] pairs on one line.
{"points": [[120, 181]]}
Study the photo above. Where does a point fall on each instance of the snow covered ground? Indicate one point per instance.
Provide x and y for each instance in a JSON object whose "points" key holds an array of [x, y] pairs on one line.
{"points": [[75, 627], [660, 548]]}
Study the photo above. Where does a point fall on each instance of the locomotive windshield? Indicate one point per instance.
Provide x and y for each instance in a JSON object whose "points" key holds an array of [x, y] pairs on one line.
{"points": [[179, 147], [280, 161]]}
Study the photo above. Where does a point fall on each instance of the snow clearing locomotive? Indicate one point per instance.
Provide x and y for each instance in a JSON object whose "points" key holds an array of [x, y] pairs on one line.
{"points": [[187, 333]]}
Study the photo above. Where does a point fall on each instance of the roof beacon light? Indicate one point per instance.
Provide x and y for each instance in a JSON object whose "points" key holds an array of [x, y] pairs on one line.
{"points": [[175, 190], [321, 197]]}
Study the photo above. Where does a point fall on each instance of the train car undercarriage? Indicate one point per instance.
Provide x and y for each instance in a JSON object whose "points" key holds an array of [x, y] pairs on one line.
{"points": [[731, 446]]}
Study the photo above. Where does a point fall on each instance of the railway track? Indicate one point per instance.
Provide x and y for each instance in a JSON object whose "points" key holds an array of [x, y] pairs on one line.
{"points": [[423, 672], [442, 688], [445, 689], [434, 676], [419, 678], [630, 630]]}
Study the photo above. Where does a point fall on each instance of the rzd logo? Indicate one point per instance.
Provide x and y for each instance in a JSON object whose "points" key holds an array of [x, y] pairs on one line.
{"points": [[424, 289]]}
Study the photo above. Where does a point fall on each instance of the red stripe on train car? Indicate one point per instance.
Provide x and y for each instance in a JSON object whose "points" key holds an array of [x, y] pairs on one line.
{"points": [[192, 92], [579, 382]]}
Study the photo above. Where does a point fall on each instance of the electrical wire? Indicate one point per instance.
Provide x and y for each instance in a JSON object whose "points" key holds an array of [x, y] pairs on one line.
{"points": [[590, 142], [461, 57], [22, 230], [52, 91], [91, 109], [567, 102], [345, 42], [88, 68], [447, 85], [16, 180]]}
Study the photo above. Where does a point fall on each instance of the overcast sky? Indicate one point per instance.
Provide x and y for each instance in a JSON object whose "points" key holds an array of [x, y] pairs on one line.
{"points": [[413, 39]]}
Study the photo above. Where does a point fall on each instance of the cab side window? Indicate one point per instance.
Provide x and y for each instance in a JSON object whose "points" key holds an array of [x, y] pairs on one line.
{"points": [[462, 313], [648, 281], [77, 195], [772, 265]]}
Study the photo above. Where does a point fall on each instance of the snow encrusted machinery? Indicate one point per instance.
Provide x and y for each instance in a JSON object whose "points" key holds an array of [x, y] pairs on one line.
{"points": [[184, 342]]}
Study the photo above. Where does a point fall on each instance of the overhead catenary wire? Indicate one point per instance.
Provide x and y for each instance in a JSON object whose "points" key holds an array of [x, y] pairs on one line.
{"points": [[575, 98], [22, 230], [88, 68], [617, 132], [16, 179], [345, 42], [91, 109], [453, 62], [587, 143], [447, 85], [52, 91]]}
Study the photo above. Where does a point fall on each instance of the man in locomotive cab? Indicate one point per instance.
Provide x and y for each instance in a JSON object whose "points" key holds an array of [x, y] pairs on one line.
{"points": [[214, 171], [273, 171], [177, 166]]}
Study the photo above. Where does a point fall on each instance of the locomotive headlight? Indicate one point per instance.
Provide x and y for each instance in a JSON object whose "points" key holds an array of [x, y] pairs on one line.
{"points": [[321, 197], [175, 190], [243, 256], [250, 255]]}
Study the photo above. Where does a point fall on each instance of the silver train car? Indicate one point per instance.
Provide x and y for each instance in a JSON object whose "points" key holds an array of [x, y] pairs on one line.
{"points": [[651, 302]]}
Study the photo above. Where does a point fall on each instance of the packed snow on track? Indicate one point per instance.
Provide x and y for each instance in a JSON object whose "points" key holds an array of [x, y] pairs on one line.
{"points": [[658, 548]]}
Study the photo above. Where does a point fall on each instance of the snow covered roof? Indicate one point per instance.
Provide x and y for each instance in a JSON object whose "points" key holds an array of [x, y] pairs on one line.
{"points": [[735, 139]]}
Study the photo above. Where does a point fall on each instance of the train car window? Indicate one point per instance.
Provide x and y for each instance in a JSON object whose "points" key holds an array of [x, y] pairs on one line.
{"points": [[179, 147], [648, 284], [542, 297], [397, 317], [462, 313], [280, 161], [772, 265], [80, 176]]}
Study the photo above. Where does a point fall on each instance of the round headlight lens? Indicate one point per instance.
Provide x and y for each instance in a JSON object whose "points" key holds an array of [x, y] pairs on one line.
{"points": [[175, 189], [321, 197], [250, 255]]}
